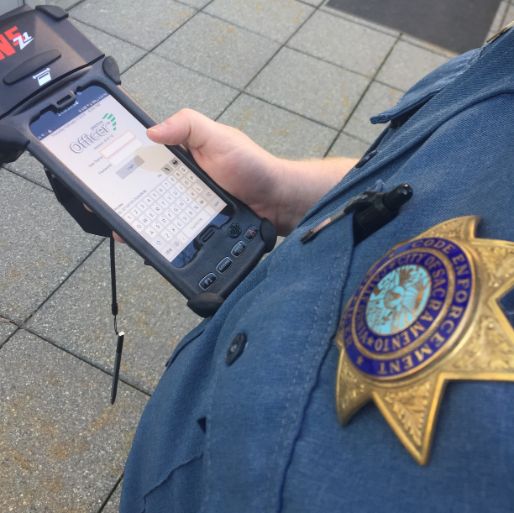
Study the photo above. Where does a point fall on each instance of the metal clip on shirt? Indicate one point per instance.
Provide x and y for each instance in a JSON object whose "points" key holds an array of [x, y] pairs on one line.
{"points": [[372, 211]]}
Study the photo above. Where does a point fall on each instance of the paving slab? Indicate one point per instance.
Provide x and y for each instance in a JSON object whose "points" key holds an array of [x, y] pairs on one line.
{"points": [[218, 49], [378, 98], [342, 42], [407, 64], [153, 315], [276, 20], [62, 446], [173, 87], [124, 53], [279, 131], [348, 146], [113, 506], [29, 167], [40, 245], [318, 90], [6, 329], [145, 24]]}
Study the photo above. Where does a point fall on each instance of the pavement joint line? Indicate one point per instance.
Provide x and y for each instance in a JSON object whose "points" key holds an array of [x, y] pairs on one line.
{"points": [[110, 494], [356, 137], [246, 29], [87, 361], [106, 33], [303, 116], [356, 106], [282, 45], [7, 319], [54, 291], [137, 61], [304, 2], [396, 88], [19, 175], [188, 5], [195, 71], [74, 5], [322, 59]]}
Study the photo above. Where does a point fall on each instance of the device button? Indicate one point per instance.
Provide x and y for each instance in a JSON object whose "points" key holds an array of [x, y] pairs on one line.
{"points": [[251, 233], [207, 281], [234, 231], [206, 234], [238, 249], [224, 265], [31, 65]]}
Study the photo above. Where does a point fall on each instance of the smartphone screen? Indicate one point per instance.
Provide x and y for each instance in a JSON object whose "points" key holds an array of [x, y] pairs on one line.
{"points": [[148, 186]]}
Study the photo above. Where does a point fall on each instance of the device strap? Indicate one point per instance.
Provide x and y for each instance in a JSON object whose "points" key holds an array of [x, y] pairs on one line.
{"points": [[120, 334]]}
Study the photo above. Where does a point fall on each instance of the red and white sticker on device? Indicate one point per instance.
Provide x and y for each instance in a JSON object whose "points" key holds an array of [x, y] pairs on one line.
{"points": [[12, 41]]}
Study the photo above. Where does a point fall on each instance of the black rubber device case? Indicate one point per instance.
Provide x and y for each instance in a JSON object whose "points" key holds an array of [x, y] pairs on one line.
{"points": [[74, 63]]}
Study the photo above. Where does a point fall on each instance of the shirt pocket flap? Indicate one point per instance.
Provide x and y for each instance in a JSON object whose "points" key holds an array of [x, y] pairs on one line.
{"points": [[427, 87], [192, 335]]}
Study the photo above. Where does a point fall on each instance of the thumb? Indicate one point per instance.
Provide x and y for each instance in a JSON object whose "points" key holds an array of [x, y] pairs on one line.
{"points": [[186, 127]]}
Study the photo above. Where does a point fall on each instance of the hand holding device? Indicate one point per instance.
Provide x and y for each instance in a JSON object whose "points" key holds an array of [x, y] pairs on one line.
{"points": [[229, 157]]}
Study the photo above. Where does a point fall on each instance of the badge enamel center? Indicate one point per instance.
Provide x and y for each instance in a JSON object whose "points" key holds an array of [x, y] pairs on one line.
{"points": [[425, 314]]}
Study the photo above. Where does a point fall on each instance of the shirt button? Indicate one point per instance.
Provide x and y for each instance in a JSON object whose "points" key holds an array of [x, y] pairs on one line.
{"points": [[236, 348]]}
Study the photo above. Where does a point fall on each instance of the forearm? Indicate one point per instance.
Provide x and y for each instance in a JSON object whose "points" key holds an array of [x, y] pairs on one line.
{"points": [[303, 183]]}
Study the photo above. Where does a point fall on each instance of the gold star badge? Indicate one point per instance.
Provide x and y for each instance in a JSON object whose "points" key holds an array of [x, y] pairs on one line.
{"points": [[425, 314]]}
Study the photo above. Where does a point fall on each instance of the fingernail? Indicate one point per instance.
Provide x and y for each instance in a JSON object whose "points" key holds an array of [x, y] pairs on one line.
{"points": [[155, 130]]}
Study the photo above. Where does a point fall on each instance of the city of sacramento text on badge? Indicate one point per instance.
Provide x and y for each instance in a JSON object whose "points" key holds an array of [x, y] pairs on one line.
{"points": [[410, 305]]}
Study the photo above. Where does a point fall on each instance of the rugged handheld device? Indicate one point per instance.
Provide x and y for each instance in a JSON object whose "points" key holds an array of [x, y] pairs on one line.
{"points": [[61, 99]]}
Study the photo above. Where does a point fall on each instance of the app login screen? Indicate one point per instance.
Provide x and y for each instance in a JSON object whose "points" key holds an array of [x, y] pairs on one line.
{"points": [[146, 184]]}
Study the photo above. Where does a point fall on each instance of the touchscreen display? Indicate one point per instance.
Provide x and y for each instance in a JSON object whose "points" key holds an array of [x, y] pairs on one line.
{"points": [[98, 140]]}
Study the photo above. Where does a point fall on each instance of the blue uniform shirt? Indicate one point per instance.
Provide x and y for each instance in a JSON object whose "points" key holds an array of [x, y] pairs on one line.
{"points": [[261, 434]]}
